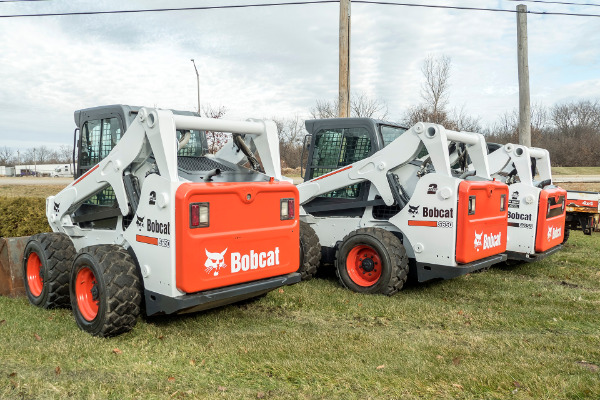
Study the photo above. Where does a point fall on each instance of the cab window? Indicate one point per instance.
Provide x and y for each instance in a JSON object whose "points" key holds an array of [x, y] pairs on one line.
{"points": [[336, 148]]}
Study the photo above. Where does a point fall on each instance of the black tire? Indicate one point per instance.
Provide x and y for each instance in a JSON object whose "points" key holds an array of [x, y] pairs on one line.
{"points": [[49, 257], [106, 276], [310, 252], [567, 234], [380, 244]]}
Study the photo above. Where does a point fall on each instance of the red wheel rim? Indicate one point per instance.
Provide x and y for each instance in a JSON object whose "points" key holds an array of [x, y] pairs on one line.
{"points": [[34, 275], [86, 292], [363, 265]]}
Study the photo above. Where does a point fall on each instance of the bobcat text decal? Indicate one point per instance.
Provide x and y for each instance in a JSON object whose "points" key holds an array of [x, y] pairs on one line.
{"points": [[437, 212], [241, 262], [554, 233], [488, 241], [519, 216]]}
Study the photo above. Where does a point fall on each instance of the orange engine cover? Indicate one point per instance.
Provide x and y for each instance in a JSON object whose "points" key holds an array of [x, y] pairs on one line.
{"points": [[246, 239], [481, 233], [551, 219]]}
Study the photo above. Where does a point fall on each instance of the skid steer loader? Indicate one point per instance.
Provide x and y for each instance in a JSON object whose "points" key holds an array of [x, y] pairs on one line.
{"points": [[151, 221], [377, 194], [536, 208]]}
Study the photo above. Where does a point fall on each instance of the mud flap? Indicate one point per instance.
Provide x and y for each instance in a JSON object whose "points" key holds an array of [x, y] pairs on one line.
{"points": [[11, 266]]}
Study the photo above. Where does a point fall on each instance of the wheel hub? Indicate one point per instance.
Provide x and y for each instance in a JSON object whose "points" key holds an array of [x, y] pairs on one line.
{"points": [[363, 265], [368, 264]]}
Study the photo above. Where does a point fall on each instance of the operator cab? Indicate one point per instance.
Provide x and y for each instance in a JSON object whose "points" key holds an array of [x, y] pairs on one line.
{"points": [[332, 148], [101, 128]]}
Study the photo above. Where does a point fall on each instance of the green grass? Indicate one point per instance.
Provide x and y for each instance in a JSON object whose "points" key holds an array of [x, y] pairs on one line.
{"points": [[575, 170], [530, 331]]}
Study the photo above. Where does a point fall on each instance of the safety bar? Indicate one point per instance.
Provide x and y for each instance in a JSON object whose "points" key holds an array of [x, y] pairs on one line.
{"points": [[463, 137], [185, 122]]}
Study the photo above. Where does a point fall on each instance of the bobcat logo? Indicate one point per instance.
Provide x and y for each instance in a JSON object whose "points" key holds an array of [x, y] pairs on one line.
{"points": [[549, 232], [214, 262], [139, 222], [413, 210], [477, 241], [56, 207]]}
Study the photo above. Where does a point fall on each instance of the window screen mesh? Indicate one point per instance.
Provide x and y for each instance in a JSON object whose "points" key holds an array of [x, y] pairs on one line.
{"points": [[336, 148]]}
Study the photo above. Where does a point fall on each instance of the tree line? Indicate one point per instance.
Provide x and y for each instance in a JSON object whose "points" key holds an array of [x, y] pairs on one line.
{"points": [[10, 157]]}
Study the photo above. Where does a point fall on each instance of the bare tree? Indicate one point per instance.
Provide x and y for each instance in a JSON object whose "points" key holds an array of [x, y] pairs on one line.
{"points": [[361, 105], [215, 140], [461, 121], [65, 154], [434, 90], [325, 109], [579, 116], [291, 134], [7, 156]]}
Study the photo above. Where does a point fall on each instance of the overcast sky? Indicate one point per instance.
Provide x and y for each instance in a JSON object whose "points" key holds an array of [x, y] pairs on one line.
{"points": [[276, 61]]}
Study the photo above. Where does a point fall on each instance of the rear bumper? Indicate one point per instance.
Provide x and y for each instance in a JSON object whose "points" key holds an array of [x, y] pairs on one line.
{"points": [[426, 272], [160, 304], [513, 255]]}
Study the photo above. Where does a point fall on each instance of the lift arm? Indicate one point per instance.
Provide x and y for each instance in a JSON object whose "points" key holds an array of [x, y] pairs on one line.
{"points": [[402, 150], [502, 159]]}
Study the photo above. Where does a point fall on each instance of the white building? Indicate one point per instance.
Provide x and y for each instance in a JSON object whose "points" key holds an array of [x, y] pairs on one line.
{"points": [[7, 171], [44, 170]]}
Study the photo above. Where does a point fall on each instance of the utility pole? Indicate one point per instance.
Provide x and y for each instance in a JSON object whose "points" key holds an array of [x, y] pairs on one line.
{"points": [[344, 91], [523, 63], [198, 82]]}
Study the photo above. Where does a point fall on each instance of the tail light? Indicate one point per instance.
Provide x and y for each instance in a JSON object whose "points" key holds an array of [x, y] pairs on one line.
{"points": [[503, 202], [199, 215], [287, 209], [471, 205]]}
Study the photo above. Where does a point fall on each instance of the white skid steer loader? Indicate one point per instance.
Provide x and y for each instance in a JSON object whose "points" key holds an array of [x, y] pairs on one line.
{"points": [[536, 208], [376, 195], [153, 221]]}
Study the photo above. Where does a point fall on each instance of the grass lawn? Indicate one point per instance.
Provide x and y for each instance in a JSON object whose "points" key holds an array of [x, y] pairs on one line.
{"points": [[575, 170], [530, 331], [30, 190]]}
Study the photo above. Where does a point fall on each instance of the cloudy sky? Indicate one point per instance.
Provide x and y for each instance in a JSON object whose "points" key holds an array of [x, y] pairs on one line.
{"points": [[276, 61]]}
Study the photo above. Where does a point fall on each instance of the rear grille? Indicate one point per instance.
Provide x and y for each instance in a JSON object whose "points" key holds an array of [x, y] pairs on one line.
{"points": [[200, 164]]}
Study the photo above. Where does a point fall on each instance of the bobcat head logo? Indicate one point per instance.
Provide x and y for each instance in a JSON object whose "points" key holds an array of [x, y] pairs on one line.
{"points": [[549, 232], [477, 242], [413, 210], [56, 207], [139, 222], [214, 262]]}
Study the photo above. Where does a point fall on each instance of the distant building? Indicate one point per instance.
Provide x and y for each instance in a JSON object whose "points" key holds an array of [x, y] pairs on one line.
{"points": [[44, 170], [7, 171]]}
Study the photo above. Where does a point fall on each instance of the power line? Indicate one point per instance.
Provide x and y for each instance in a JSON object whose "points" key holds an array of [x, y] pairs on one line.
{"points": [[293, 4], [557, 2], [168, 9], [473, 8]]}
